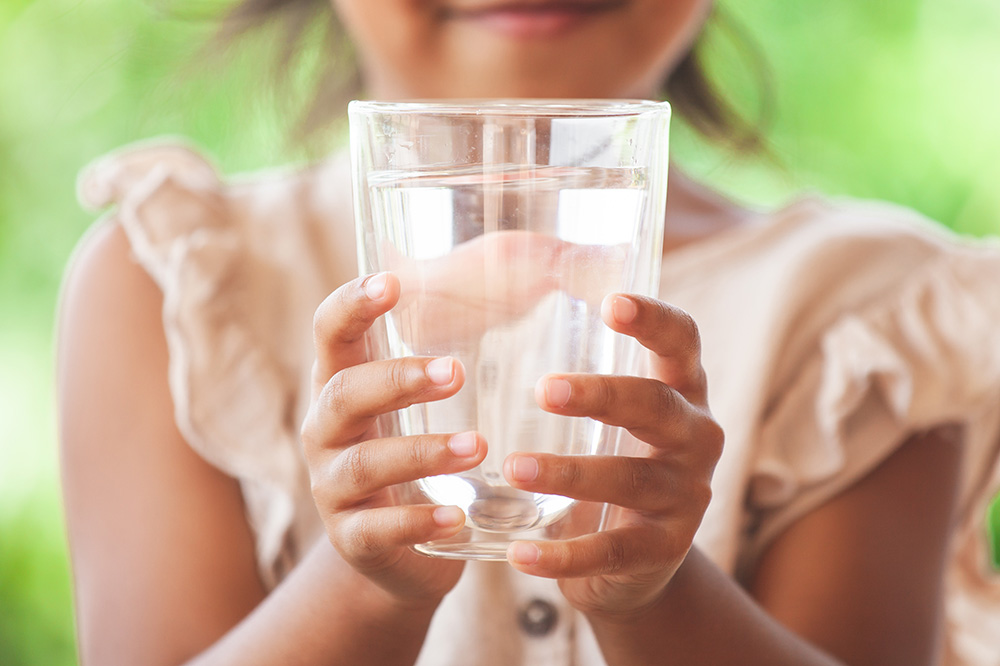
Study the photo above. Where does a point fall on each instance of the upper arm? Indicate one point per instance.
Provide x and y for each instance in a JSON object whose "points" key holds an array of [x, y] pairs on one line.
{"points": [[163, 558], [862, 575]]}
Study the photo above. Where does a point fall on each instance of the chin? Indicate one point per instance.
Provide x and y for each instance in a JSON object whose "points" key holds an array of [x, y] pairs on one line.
{"points": [[529, 85]]}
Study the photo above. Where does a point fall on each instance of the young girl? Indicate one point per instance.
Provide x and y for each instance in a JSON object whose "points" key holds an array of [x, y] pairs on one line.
{"points": [[225, 491]]}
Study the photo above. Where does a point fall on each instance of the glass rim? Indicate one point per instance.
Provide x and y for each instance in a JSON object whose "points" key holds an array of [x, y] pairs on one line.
{"points": [[597, 108]]}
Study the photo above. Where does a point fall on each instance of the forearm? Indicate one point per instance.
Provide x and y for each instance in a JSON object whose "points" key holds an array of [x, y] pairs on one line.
{"points": [[324, 613], [704, 617]]}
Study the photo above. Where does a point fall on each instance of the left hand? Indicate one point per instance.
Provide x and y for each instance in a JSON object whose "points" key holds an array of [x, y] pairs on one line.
{"points": [[662, 495]]}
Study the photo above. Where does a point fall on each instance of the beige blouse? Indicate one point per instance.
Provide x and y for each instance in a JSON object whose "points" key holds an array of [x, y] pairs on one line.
{"points": [[830, 330]]}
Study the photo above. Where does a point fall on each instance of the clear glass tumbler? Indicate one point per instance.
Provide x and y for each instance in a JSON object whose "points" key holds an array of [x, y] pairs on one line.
{"points": [[507, 223]]}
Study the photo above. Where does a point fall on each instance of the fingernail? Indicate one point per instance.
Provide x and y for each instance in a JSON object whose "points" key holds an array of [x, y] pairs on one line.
{"points": [[441, 370], [524, 468], [448, 516], [557, 392], [375, 286], [624, 309], [523, 552], [463, 444]]}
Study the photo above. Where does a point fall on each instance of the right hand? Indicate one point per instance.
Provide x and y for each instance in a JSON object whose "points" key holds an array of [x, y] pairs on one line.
{"points": [[351, 468]]}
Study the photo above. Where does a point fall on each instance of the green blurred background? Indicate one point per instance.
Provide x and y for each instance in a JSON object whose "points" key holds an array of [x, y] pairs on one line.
{"points": [[896, 100]]}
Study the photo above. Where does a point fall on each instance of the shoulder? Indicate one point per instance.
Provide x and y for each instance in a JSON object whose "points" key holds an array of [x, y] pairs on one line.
{"points": [[171, 198], [247, 251], [139, 168], [231, 264], [864, 237], [104, 290], [845, 258], [853, 324], [816, 260], [111, 359], [876, 324], [852, 240], [222, 275], [111, 350]]}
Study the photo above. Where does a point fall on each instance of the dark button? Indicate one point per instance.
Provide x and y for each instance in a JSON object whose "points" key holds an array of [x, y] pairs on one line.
{"points": [[538, 617]]}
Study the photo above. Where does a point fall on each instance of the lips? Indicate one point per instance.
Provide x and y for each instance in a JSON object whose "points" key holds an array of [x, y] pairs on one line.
{"points": [[526, 19], [471, 6]]}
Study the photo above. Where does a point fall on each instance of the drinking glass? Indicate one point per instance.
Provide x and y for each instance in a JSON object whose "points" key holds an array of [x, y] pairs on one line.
{"points": [[507, 223]]}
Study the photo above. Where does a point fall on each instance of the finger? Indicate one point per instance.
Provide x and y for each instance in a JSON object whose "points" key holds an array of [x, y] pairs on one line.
{"points": [[667, 331], [375, 538], [641, 484], [360, 471], [341, 320], [463, 276], [461, 294], [633, 550], [649, 409], [349, 403]]}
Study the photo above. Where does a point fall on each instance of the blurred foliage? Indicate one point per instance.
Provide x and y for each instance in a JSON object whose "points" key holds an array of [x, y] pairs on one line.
{"points": [[893, 100]]}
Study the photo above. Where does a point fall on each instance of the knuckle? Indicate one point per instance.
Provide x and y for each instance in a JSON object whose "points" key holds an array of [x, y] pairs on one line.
{"points": [[615, 557], [697, 496], [707, 438], [326, 500], [310, 442], [355, 326], [316, 373], [560, 557], [419, 455], [318, 491], [604, 389], [321, 318], [699, 378], [335, 393], [568, 474], [714, 438], [641, 477], [398, 375], [668, 401], [358, 542], [704, 497], [338, 319], [328, 496], [365, 538], [354, 467], [334, 525], [406, 523], [688, 330], [602, 394]]}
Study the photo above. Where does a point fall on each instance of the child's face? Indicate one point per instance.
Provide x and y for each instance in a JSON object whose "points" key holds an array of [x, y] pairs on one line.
{"points": [[519, 48]]}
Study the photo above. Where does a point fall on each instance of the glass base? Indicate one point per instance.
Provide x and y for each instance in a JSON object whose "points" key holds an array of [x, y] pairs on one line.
{"points": [[476, 544], [483, 551]]}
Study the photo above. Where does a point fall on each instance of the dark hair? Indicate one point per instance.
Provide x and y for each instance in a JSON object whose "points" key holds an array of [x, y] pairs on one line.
{"points": [[696, 98], [299, 22]]}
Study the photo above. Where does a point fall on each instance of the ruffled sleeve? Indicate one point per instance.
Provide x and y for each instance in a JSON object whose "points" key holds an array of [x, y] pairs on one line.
{"points": [[926, 354], [232, 397]]}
